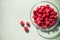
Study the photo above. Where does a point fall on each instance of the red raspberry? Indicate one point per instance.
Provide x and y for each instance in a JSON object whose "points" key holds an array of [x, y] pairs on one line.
{"points": [[34, 17], [55, 13], [47, 14], [27, 23], [47, 6], [21, 23], [55, 17], [41, 19], [42, 23], [42, 7], [50, 20], [43, 16], [38, 19], [40, 11], [44, 11], [47, 10], [39, 22], [44, 26], [46, 19], [52, 13], [37, 10], [47, 22], [50, 24], [54, 22], [51, 9], [34, 12], [52, 16], [26, 28], [35, 21], [39, 15]]}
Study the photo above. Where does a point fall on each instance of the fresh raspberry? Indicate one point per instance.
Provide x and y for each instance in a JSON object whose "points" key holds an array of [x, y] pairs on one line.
{"points": [[21, 23], [38, 19], [34, 12], [27, 23], [47, 14], [50, 20], [47, 22], [40, 11], [26, 28], [38, 22], [42, 7], [52, 13], [47, 10], [51, 25], [46, 19], [34, 17], [35, 21], [43, 16], [44, 26], [55, 17], [37, 9], [39, 15]]}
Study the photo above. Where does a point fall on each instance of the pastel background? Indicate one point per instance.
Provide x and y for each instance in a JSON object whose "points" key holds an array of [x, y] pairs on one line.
{"points": [[11, 12]]}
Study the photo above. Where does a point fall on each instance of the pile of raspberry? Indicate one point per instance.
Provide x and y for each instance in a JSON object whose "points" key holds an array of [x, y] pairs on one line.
{"points": [[45, 16]]}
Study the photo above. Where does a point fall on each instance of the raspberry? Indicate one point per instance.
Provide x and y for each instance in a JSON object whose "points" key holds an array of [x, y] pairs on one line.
{"points": [[47, 22], [55, 13], [39, 15], [44, 26], [27, 23], [54, 22], [47, 10], [35, 21], [55, 17], [40, 11], [50, 20], [38, 19], [52, 13], [38, 22], [37, 9], [52, 16], [47, 14], [43, 16], [51, 25], [34, 17], [26, 29], [42, 7], [41, 19], [21, 23], [46, 19], [51, 9], [34, 12], [47, 5]]}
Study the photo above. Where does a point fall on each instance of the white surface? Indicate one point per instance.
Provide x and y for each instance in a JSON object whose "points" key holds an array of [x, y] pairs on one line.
{"points": [[12, 11]]}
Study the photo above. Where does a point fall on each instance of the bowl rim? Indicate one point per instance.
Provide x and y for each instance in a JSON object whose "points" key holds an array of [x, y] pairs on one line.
{"points": [[49, 3]]}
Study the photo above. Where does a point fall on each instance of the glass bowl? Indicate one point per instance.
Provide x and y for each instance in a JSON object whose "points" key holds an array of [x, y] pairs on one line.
{"points": [[44, 3]]}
